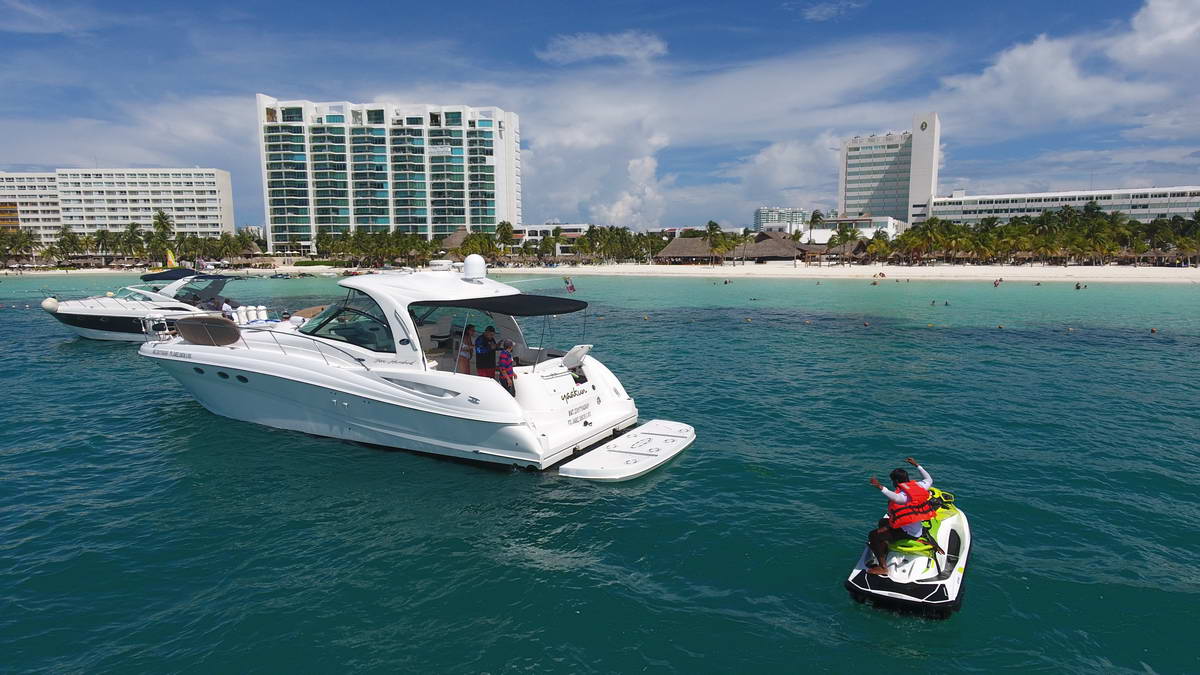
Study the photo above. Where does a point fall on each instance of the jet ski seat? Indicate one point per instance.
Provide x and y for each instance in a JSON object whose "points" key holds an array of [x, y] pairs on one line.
{"points": [[944, 502]]}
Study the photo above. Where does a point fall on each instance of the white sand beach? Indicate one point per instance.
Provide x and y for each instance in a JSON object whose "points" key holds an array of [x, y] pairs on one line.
{"points": [[785, 270]]}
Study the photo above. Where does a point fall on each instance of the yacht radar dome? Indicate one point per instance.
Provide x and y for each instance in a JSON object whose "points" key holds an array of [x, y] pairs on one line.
{"points": [[474, 267]]}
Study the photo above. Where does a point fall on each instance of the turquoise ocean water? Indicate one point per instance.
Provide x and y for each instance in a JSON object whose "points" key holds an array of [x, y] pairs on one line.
{"points": [[138, 532]]}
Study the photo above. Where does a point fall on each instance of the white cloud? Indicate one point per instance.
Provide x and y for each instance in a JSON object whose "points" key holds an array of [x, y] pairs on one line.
{"points": [[631, 45], [1164, 36], [27, 16], [1040, 85], [825, 11]]}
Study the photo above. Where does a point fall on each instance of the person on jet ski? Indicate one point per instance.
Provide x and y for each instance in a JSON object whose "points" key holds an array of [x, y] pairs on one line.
{"points": [[908, 507]]}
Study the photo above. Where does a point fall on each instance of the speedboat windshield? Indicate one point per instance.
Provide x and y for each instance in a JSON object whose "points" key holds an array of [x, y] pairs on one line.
{"points": [[202, 289], [356, 319]]}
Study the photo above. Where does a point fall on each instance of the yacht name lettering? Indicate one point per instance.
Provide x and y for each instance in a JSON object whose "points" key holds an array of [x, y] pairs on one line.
{"points": [[580, 418], [576, 411], [572, 394], [169, 352]]}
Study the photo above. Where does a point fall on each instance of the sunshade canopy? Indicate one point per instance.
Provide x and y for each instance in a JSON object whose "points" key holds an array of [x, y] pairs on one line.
{"points": [[513, 305]]}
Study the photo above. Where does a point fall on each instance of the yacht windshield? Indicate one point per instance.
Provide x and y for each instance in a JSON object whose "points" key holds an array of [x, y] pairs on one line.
{"points": [[357, 319], [201, 291]]}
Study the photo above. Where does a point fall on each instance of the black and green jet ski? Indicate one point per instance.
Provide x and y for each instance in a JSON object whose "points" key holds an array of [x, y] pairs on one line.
{"points": [[919, 577]]}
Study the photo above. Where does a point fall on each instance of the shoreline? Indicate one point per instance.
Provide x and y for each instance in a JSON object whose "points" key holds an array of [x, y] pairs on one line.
{"points": [[781, 270], [784, 270]]}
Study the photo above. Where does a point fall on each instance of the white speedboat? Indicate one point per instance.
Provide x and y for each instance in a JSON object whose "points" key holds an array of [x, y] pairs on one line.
{"points": [[379, 367], [168, 295]]}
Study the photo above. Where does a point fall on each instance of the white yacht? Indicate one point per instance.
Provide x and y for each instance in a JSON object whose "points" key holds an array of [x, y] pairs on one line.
{"points": [[168, 295], [379, 366]]}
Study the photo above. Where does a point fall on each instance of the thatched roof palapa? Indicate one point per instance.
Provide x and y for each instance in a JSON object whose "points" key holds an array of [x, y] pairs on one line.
{"points": [[687, 247]]}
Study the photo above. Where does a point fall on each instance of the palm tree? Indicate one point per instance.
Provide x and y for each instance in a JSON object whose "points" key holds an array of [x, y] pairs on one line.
{"points": [[69, 243], [844, 234], [130, 241], [712, 235], [880, 247], [957, 238], [504, 234], [103, 241], [814, 220]]}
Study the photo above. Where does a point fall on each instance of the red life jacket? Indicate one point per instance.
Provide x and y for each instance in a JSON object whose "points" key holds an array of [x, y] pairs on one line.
{"points": [[915, 510]]}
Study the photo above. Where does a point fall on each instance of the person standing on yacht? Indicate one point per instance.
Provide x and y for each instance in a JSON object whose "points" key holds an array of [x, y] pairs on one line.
{"points": [[485, 353], [505, 374], [465, 349]]}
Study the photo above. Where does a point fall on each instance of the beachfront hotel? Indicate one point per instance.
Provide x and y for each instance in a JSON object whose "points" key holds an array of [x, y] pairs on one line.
{"points": [[890, 174], [342, 167], [1141, 204], [779, 219], [536, 233], [868, 227], [199, 201]]}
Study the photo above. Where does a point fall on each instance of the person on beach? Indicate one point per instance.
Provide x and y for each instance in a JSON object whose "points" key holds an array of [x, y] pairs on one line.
{"points": [[466, 349], [485, 353], [505, 374], [908, 508]]}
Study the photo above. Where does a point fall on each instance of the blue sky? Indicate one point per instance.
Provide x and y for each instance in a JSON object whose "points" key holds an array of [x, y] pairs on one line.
{"points": [[639, 114]]}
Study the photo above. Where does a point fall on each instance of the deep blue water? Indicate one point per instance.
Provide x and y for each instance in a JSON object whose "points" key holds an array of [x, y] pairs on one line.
{"points": [[138, 532]]}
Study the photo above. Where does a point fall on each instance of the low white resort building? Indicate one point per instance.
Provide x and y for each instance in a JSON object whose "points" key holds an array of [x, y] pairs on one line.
{"points": [[1141, 204], [199, 201], [868, 227]]}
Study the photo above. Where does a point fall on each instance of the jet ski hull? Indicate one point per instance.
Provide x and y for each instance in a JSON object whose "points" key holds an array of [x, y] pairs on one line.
{"points": [[928, 584]]}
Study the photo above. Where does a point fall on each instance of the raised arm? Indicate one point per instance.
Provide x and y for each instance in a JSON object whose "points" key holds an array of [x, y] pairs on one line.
{"points": [[926, 480]]}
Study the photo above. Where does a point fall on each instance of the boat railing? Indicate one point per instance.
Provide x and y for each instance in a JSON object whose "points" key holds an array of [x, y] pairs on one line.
{"points": [[320, 344], [102, 301]]}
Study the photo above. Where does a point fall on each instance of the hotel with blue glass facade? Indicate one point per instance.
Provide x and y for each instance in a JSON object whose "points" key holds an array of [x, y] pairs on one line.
{"points": [[340, 167]]}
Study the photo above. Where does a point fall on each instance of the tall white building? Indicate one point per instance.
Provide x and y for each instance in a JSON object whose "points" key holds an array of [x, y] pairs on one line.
{"points": [[426, 169], [779, 218], [1141, 204], [890, 174], [199, 201]]}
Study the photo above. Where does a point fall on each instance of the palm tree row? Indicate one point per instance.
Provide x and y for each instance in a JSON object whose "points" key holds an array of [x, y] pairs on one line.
{"points": [[1086, 235], [130, 242]]}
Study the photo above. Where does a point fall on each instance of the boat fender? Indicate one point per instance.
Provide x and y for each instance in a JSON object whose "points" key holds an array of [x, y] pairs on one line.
{"points": [[262, 312], [50, 305]]}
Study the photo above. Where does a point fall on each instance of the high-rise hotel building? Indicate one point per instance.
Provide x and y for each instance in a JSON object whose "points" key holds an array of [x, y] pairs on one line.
{"points": [[890, 174], [379, 167], [781, 218], [199, 201]]}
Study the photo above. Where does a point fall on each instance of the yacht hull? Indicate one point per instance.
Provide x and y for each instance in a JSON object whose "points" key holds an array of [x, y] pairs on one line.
{"points": [[103, 327], [284, 403]]}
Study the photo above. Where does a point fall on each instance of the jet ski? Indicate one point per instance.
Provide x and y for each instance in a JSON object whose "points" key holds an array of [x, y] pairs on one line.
{"points": [[920, 578]]}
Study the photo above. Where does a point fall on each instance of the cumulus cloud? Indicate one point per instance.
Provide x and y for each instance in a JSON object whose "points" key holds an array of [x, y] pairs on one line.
{"points": [[1163, 35], [631, 45], [1038, 85]]}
